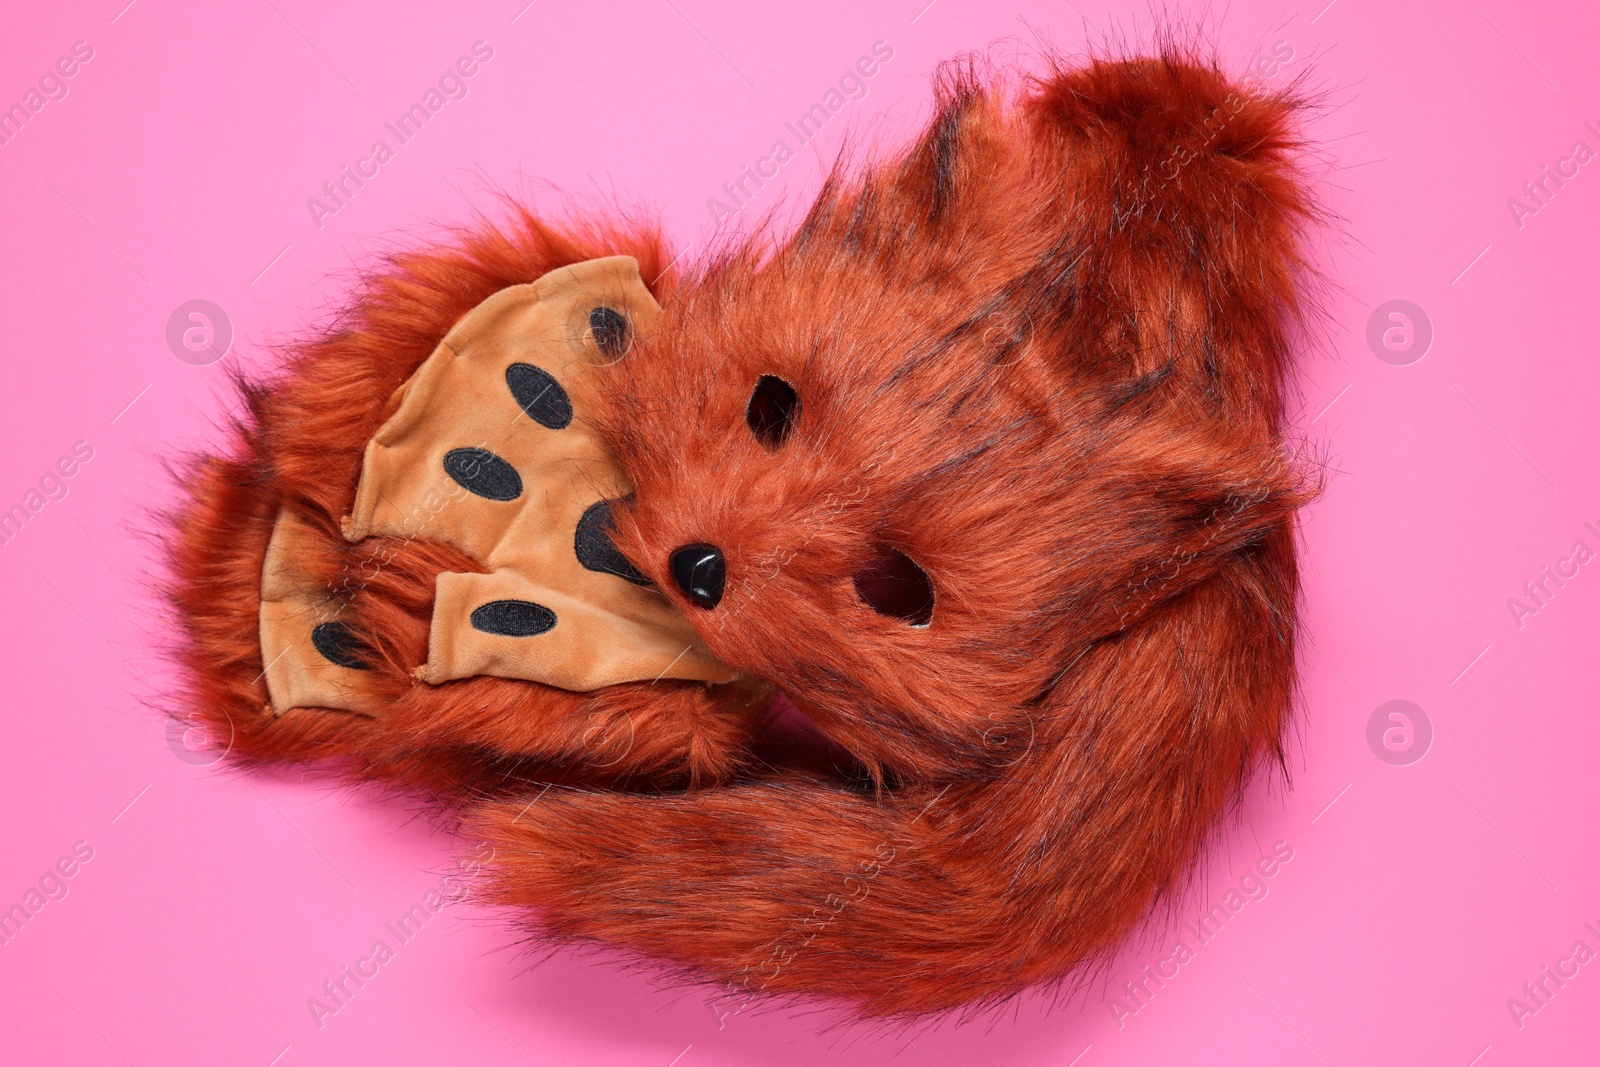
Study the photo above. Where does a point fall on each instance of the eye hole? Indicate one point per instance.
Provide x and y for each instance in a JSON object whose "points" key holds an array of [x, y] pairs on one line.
{"points": [[774, 405], [892, 585]]}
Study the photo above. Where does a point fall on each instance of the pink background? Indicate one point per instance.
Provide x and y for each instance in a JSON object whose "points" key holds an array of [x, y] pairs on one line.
{"points": [[1419, 898]]}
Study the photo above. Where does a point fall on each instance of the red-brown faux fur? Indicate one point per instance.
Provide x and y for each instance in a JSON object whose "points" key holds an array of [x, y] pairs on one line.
{"points": [[1042, 354], [299, 442]]}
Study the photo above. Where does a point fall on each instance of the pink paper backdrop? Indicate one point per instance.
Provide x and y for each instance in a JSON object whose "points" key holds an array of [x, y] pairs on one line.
{"points": [[175, 164]]}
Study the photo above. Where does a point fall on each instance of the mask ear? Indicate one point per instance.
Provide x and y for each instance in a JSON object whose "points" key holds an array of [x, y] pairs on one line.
{"points": [[1141, 218], [1178, 209], [1181, 507]]}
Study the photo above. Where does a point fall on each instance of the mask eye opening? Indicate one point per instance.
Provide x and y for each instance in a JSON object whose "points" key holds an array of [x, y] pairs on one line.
{"points": [[892, 585], [774, 406]]}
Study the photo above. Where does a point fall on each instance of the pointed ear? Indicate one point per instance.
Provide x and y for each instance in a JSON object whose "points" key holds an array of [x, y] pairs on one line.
{"points": [[1180, 206], [1142, 218], [1191, 507], [1172, 113]]}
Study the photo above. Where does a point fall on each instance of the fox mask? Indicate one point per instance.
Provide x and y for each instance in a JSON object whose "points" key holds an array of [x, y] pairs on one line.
{"points": [[886, 612]]}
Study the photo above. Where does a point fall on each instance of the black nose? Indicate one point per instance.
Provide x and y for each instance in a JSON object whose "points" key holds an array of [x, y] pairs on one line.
{"points": [[700, 573]]}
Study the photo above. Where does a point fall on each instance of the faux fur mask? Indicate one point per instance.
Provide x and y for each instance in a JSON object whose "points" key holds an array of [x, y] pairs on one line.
{"points": [[982, 468]]}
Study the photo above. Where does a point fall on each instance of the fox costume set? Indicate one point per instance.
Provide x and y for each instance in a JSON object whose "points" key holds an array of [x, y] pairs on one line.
{"points": [[886, 611]]}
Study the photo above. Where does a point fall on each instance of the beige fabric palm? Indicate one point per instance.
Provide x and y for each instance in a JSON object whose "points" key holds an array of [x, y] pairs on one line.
{"points": [[295, 604], [460, 407]]}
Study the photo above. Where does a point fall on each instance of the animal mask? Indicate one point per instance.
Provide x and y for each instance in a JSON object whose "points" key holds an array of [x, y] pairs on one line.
{"points": [[978, 478]]}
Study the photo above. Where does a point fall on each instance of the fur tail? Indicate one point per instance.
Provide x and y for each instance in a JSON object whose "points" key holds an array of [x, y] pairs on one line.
{"points": [[938, 895]]}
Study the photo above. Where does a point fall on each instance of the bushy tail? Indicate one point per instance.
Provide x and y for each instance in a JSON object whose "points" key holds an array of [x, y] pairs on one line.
{"points": [[946, 894]]}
